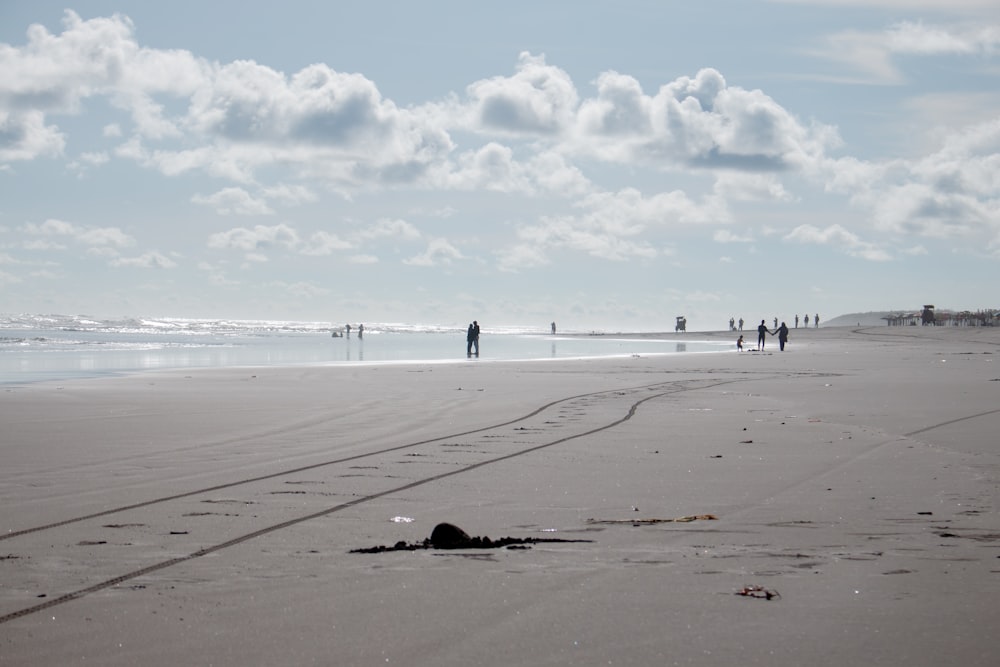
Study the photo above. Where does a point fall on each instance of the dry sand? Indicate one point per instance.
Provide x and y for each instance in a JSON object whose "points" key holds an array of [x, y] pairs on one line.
{"points": [[854, 477]]}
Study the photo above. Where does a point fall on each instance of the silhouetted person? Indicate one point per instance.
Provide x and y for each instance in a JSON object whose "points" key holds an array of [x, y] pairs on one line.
{"points": [[807, 321], [553, 328], [782, 336], [739, 343], [761, 335], [361, 331], [796, 321], [816, 321], [475, 336], [469, 337], [741, 324]]}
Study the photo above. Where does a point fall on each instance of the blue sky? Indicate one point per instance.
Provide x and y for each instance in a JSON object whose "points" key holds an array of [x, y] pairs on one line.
{"points": [[607, 165]]}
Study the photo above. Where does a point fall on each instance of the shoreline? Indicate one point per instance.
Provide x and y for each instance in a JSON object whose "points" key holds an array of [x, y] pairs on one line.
{"points": [[854, 476]]}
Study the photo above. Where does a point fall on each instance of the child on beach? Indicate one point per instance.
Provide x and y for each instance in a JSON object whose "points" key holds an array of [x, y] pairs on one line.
{"points": [[739, 343]]}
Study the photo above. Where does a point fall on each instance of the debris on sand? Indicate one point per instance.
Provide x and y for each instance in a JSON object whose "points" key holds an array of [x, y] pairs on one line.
{"points": [[450, 536], [679, 519], [758, 592]]}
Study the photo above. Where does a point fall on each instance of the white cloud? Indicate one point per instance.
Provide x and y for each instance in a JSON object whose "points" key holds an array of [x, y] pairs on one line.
{"points": [[538, 99], [255, 240], [839, 237], [951, 192], [744, 186], [612, 226], [234, 201], [699, 122], [876, 54], [147, 260], [910, 37], [389, 228], [231, 120], [620, 108], [25, 136], [111, 238], [439, 251], [324, 243], [726, 236], [521, 256], [289, 195], [243, 115]]}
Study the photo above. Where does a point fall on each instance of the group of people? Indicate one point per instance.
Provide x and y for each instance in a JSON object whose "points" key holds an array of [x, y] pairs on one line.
{"points": [[472, 339], [733, 323], [347, 331], [762, 332], [815, 321]]}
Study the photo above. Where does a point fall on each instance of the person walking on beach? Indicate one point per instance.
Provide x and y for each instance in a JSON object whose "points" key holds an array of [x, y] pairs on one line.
{"points": [[816, 321], [761, 335], [782, 336]]}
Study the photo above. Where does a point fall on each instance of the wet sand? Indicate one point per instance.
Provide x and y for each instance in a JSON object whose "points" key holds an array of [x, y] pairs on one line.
{"points": [[837, 504]]}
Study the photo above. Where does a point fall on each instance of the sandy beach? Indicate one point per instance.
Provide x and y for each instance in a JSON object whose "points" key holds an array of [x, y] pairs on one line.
{"points": [[833, 504]]}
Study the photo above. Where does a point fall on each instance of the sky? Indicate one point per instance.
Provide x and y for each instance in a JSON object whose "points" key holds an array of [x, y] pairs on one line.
{"points": [[603, 165]]}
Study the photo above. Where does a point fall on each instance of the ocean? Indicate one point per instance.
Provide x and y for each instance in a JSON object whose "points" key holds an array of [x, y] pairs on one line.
{"points": [[37, 348]]}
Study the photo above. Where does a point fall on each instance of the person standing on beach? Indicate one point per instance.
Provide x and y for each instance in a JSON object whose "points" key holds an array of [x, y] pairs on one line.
{"points": [[361, 331], [807, 321], [741, 324], [553, 328], [475, 336], [347, 330], [782, 336], [816, 321], [761, 335], [796, 321], [739, 343], [468, 340]]}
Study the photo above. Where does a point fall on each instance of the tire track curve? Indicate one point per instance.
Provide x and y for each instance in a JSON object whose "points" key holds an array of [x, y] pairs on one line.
{"points": [[161, 565]]}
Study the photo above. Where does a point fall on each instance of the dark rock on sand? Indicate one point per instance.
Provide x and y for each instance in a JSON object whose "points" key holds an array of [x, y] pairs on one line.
{"points": [[450, 536]]}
